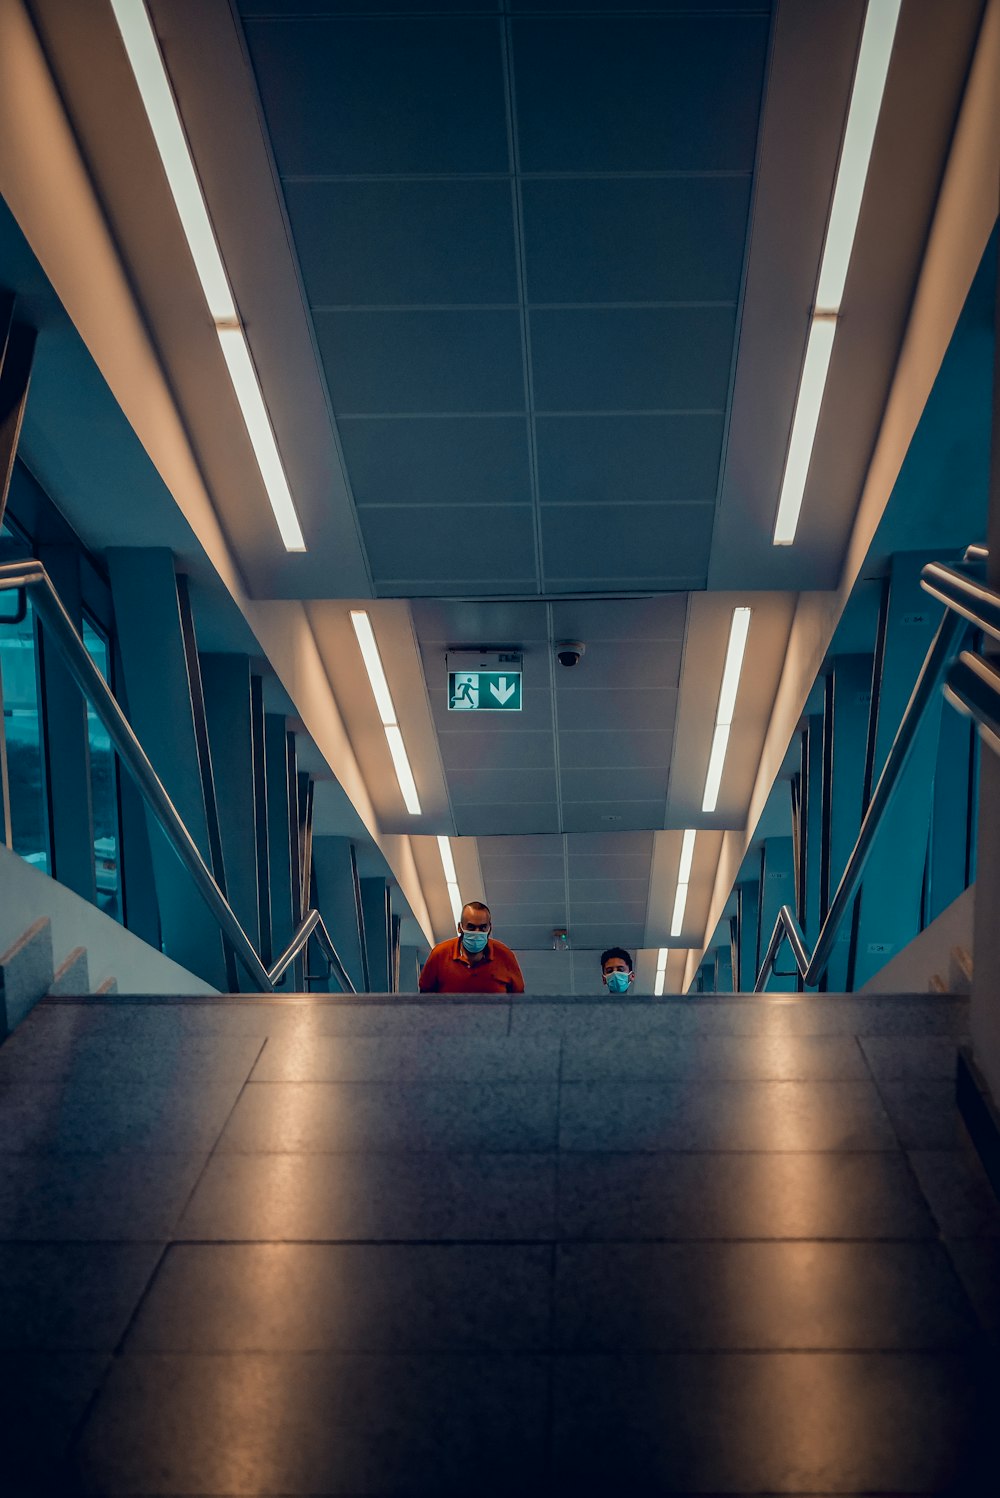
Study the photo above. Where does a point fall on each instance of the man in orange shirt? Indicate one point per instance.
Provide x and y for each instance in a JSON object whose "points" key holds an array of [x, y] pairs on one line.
{"points": [[472, 961]]}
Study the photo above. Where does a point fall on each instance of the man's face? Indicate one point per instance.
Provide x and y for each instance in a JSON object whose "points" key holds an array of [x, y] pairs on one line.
{"points": [[476, 924], [616, 965]]}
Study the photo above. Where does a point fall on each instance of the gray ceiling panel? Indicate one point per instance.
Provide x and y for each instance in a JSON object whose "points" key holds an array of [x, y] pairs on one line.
{"points": [[584, 891], [613, 785], [645, 544], [639, 709], [496, 821], [610, 865], [511, 889], [450, 625], [623, 663], [635, 240], [531, 751], [629, 750], [643, 459], [467, 461], [632, 359], [547, 913], [483, 787], [356, 96], [414, 541], [626, 816], [623, 934], [677, 93], [631, 619], [392, 243], [413, 363], [603, 845]]}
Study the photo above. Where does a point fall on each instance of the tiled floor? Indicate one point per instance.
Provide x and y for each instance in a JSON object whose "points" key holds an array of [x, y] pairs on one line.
{"points": [[446, 1248]]}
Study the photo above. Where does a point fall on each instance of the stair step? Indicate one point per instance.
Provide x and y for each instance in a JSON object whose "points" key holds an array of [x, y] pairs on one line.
{"points": [[26, 973], [72, 976]]}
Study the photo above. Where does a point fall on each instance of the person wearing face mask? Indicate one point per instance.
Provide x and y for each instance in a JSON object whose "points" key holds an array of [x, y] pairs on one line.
{"points": [[473, 961], [616, 969]]}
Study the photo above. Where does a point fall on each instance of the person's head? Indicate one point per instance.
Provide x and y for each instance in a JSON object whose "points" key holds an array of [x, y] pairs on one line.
{"points": [[474, 925], [616, 969]]}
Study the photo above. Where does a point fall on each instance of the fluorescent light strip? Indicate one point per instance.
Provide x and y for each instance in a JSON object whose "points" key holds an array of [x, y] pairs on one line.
{"points": [[447, 860], [373, 665], [863, 112], [658, 985], [716, 764], [661, 960], [804, 423], [687, 854], [856, 151], [146, 61], [456, 902], [680, 903], [404, 774], [739, 628], [383, 701], [258, 425], [147, 65]]}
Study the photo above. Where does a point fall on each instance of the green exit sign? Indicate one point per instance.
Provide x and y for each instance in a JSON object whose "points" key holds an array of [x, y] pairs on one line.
{"points": [[484, 691]]}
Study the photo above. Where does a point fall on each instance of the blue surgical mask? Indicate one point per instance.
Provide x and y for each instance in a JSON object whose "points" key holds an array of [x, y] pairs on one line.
{"points": [[474, 941], [618, 982]]}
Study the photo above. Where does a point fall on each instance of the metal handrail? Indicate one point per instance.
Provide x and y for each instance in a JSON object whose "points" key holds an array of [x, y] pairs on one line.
{"points": [[973, 687], [32, 575], [969, 605]]}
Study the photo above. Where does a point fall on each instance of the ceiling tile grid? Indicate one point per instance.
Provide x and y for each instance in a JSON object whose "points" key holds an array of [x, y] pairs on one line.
{"points": [[521, 234]]}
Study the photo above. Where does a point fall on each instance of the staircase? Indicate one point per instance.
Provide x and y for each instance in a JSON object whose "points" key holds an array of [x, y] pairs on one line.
{"points": [[390, 1245], [28, 973]]}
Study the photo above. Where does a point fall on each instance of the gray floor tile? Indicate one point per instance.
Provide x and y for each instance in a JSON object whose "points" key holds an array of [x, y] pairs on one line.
{"points": [[347, 1298], [769, 1423], [317, 1423], [43, 1396], [373, 1197], [640, 1196], [668, 1297], [671, 1058], [900, 1058], [133, 1198], [409, 1058], [95, 1116], [977, 1264], [119, 1055], [334, 1116], [70, 1297], [806, 1014], [959, 1192], [924, 1114], [723, 1116]]}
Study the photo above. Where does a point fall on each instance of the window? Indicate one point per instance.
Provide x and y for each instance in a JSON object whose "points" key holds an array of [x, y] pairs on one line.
{"points": [[103, 789], [22, 727]]}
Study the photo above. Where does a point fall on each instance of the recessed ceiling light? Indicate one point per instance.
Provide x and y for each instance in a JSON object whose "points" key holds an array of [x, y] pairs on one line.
{"points": [[146, 61], [870, 75], [368, 646]]}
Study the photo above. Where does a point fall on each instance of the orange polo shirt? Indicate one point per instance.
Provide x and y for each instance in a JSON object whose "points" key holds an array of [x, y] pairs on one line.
{"points": [[448, 970]]}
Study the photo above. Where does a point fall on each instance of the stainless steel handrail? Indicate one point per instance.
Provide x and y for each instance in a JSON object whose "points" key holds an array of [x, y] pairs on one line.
{"points": [[968, 602], [973, 687], [964, 595], [61, 629]]}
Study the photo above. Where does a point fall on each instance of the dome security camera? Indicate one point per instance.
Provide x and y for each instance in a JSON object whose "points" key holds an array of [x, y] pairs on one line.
{"points": [[568, 652]]}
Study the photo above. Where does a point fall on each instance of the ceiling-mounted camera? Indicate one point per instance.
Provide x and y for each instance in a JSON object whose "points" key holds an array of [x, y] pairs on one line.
{"points": [[568, 652]]}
